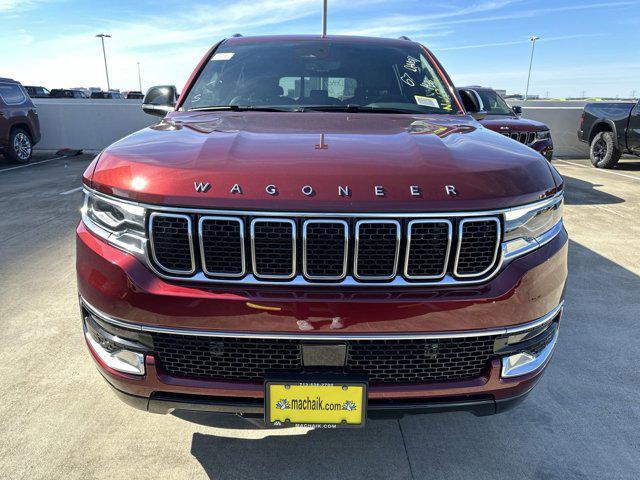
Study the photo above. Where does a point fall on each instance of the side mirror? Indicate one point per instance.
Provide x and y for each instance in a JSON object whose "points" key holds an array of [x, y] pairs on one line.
{"points": [[472, 103], [160, 100], [517, 109]]}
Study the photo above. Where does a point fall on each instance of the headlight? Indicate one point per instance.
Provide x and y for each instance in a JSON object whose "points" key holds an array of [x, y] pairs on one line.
{"points": [[531, 226], [543, 135], [120, 223]]}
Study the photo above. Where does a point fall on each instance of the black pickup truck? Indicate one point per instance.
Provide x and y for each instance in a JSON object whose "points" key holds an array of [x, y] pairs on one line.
{"points": [[611, 129]]}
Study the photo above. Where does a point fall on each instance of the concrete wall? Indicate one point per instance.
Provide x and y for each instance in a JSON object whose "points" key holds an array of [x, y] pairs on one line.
{"points": [[94, 124], [88, 124], [563, 122]]}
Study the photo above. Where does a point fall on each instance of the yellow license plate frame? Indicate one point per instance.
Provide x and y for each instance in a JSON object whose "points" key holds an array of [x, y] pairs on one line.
{"points": [[315, 404]]}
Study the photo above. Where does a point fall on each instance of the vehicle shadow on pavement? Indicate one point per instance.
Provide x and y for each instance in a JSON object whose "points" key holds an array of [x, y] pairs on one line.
{"points": [[628, 163], [581, 192], [580, 422]]}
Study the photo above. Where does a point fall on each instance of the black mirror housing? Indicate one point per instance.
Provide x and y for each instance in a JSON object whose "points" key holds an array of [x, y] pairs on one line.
{"points": [[517, 109], [160, 100]]}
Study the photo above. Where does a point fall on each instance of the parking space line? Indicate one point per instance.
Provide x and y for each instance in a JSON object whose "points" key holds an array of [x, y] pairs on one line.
{"points": [[29, 164], [599, 170], [77, 189]]}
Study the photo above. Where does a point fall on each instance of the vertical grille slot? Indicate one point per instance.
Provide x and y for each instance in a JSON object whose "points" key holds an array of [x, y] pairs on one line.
{"points": [[428, 245], [172, 243], [531, 137], [377, 248], [325, 249], [222, 246], [273, 248], [478, 243]]}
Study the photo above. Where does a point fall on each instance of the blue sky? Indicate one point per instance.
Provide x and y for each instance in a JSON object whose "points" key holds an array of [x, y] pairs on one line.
{"points": [[588, 45]]}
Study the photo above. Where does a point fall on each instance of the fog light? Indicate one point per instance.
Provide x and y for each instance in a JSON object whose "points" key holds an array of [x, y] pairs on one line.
{"points": [[523, 363], [120, 359]]}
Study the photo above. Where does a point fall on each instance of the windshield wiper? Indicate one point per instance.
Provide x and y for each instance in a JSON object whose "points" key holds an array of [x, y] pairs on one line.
{"points": [[357, 108], [240, 108]]}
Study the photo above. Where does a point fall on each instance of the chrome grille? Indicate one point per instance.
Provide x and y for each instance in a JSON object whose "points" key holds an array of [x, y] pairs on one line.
{"points": [[526, 138], [325, 249], [273, 247], [171, 242], [377, 248], [477, 247], [427, 253], [305, 250], [222, 246]]}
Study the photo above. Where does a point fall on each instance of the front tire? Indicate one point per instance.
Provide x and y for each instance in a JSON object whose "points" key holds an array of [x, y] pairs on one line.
{"points": [[20, 147], [603, 152]]}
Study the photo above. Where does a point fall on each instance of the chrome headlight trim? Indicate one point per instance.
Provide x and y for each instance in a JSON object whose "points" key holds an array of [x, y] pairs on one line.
{"points": [[531, 226], [122, 224]]}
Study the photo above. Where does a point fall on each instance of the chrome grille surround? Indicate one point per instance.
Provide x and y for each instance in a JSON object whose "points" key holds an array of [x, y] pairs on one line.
{"points": [[345, 260], [527, 138], [396, 253], [203, 258], [254, 255], [181, 216], [461, 225], [408, 249]]}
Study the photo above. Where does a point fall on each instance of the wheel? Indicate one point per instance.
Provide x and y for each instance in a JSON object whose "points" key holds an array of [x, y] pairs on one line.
{"points": [[20, 146], [604, 153]]}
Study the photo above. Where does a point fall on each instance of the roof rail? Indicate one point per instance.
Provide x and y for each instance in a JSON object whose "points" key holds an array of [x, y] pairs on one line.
{"points": [[236, 35], [404, 37]]}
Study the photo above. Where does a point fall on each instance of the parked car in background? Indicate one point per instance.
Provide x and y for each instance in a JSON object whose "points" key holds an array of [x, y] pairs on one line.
{"points": [[133, 95], [107, 95], [67, 93], [506, 120], [37, 92], [319, 218], [610, 129], [19, 124]]}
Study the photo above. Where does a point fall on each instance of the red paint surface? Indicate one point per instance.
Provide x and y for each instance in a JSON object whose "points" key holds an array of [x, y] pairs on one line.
{"points": [[119, 285]]}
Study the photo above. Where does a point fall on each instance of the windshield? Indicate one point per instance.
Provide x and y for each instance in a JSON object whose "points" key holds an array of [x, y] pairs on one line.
{"points": [[493, 103], [311, 73]]}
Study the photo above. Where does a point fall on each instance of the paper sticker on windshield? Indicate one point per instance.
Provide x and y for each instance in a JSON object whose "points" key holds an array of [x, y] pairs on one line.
{"points": [[222, 56], [426, 101]]}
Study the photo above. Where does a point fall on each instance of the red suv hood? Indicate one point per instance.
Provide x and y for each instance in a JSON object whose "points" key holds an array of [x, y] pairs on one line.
{"points": [[507, 123], [322, 151]]}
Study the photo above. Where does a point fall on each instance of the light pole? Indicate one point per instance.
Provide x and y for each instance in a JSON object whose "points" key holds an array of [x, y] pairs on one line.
{"points": [[102, 36], [324, 18], [533, 41], [139, 77]]}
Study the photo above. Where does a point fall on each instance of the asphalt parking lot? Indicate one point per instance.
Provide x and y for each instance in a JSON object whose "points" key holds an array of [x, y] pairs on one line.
{"points": [[59, 419]]}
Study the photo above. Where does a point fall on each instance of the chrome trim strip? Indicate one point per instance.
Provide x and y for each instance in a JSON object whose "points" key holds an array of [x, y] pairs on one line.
{"points": [[293, 247], [396, 254], [242, 252], [320, 336], [408, 250], [190, 233], [345, 260], [532, 365], [495, 250], [259, 213]]}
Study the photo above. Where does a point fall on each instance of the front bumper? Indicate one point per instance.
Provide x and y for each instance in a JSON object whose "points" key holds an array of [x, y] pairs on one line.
{"points": [[119, 290]]}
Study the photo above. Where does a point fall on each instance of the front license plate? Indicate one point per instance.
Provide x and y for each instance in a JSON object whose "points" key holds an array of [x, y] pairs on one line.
{"points": [[310, 404]]}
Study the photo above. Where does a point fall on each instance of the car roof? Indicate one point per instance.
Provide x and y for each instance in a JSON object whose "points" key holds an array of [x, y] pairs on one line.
{"points": [[336, 38], [3, 79]]}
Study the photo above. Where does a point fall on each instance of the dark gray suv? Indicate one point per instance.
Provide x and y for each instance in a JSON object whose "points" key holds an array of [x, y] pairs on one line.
{"points": [[19, 124]]}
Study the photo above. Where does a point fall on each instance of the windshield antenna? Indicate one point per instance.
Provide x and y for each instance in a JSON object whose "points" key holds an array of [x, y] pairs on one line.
{"points": [[324, 18]]}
